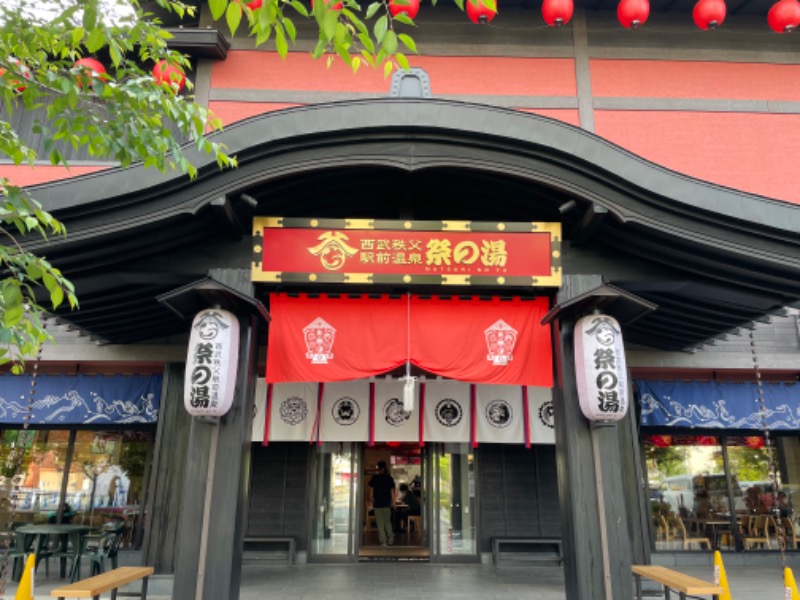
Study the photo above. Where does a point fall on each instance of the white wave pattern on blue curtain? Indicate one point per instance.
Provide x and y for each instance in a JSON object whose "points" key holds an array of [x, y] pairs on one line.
{"points": [[718, 405], [81, 399]]}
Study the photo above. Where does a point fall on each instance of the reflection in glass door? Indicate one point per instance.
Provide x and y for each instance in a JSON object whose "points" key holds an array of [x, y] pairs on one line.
{"points": [[456, 513], [336, 490]]}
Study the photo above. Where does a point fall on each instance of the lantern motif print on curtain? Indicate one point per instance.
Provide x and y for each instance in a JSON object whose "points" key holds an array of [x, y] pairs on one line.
{"points": [[633, 13], [754, 442], [661, 441], [709, 14], [557, 12], [478, 12], [211, 363], [784, 16], [600, 368]]}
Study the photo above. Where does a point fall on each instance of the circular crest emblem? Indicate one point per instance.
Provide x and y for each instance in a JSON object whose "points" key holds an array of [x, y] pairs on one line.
{"points": [[395, 415], [345, 411], [546, 414], [499, 413], [448, 412], [293, 410]]}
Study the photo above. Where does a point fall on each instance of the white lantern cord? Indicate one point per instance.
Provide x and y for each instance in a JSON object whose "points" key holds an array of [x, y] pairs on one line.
{"points": [[408, 380]]}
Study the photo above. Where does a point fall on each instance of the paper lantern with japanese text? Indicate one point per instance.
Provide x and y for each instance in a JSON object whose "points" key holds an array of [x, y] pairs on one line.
{"points": [[600, 368], [211, 363]]}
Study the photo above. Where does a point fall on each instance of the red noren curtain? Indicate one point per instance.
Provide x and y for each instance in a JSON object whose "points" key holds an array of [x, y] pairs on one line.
{"points": [[342, 338]]}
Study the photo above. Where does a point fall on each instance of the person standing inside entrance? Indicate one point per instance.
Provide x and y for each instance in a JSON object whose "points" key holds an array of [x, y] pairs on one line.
{"points": [[384, 498]]}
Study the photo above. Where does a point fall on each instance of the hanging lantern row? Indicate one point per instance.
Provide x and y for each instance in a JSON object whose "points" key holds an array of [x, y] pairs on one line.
{"points": [[783, 17], [163, 72]]}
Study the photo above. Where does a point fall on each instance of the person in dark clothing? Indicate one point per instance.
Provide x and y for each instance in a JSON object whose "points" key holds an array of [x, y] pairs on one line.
{"points": [[383, 500], [411, 508]]}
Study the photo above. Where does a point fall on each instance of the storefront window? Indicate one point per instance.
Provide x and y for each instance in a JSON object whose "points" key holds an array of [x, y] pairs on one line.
{"points": [[455, 501], [719, 492], [105, 481]]}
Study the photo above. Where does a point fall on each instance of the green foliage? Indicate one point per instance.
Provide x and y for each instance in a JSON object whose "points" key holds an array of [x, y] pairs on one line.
{"points": [[665, 462]]}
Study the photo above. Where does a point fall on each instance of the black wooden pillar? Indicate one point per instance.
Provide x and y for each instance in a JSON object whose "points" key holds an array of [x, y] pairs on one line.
{"points": [[592, 475], [213, 509]]}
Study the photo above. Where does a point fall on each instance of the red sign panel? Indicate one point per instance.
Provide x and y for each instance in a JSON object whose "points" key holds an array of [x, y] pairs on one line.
{"points": [[408, 252]]}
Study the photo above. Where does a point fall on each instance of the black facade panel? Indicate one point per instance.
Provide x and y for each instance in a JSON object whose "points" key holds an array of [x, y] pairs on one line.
{"points": [[517, 492], [279, 491]]}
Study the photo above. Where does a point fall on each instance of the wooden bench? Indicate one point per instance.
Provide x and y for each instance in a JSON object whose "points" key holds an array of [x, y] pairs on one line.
{"points": [[674, 581], [270, 543], [108, 581], [528, 549]]}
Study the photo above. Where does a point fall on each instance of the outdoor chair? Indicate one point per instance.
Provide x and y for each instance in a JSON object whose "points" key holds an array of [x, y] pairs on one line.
{"points": [[791, 532], [758, 533], [99, 548], [700, 541]]}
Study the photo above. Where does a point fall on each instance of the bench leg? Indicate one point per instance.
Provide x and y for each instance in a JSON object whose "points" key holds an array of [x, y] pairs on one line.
{"points": [[114, 594], [144, 588], [667, 593], [638, 579]]}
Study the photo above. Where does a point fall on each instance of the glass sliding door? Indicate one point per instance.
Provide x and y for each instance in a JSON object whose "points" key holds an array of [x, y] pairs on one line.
{"points": [[334, 507], [455, 510]]}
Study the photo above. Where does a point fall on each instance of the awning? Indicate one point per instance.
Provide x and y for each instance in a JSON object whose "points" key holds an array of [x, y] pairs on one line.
{"points": [[716, 405], [80, 399], [326, 338]]}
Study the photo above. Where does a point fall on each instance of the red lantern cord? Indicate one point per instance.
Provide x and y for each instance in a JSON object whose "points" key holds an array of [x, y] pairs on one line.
{"points": [[172, 75], [478, 12], [410, 7], [709, 14], [557, 12], [784, 16], [633, 13]]}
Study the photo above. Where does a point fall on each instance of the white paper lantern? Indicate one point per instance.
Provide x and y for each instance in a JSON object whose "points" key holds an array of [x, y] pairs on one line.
{"points": [[211, 363], [600, 368]]}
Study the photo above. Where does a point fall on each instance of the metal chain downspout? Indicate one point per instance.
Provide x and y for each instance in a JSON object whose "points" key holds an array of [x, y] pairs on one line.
{"points": [[774, 475], [13, 465]]}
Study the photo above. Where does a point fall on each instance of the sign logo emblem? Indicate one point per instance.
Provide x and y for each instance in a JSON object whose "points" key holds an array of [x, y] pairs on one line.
{"points": [[293, 410], [546, 415], [500, 340], [395, 415], [319, 337], [333, 250], [499, 413], [448, 412], [345, 411]]}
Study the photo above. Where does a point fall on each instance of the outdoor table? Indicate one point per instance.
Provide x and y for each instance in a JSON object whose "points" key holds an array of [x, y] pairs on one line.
{"points": [[37, 535], [714, 526]]}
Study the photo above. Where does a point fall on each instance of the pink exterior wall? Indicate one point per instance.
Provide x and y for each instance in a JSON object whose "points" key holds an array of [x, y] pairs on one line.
{"points": [[24, 175]]}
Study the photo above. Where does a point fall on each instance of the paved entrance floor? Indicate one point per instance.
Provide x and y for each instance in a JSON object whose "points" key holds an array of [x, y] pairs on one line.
{"points": [[425, 581]]}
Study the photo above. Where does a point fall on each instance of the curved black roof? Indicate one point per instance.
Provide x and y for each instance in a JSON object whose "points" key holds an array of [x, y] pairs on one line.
{"points": [[713, 258]]}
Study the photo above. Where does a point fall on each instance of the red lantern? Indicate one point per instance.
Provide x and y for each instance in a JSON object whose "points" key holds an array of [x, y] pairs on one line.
{"points": [[254, 4], [557, 12], [410, 7], [25, 71], [709, 14], [337, 6], [754, 442], [661, 441], [707, 440], [172, 75], [633, 13], [784, 16], [91, 67], [478, 12]]}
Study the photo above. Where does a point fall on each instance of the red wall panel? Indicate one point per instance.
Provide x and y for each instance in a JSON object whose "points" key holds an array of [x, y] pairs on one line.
{"points": [[25, 175], [568, 115], [683, 79], [747, 151], [247, 69], [230, 112]]}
